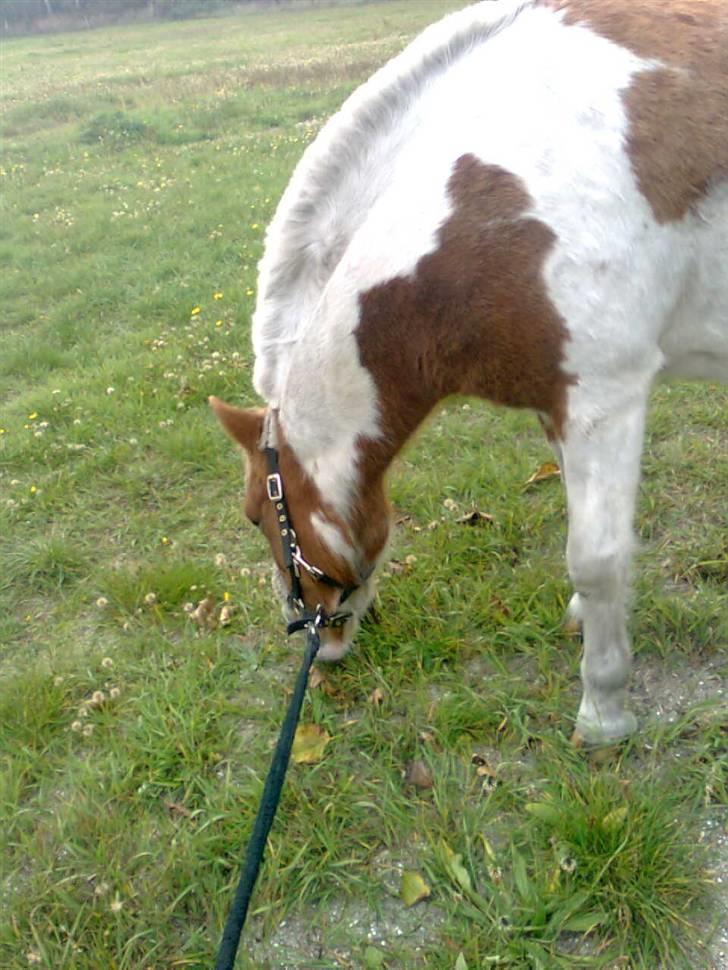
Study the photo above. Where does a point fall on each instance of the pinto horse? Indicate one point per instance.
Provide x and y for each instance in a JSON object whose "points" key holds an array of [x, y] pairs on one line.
{"points": [[529, 204]]}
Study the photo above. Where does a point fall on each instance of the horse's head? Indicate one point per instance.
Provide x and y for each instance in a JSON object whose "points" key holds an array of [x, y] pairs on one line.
{"points": [[336, 555]]}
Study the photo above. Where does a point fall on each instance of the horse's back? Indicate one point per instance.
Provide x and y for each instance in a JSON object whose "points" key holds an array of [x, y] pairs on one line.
{"points": [[620, 151]]}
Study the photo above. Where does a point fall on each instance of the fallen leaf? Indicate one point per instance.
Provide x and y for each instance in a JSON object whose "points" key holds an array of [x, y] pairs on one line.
{"points": [[202, 615], [413, 888], [316, 678], [488, 777], [418, 774], [397, 568], [454, 865], [374, 958], [309, 744], [615, 819], [226, 613], [489, 850], [475, 517], [376, 697], [318, 681], [176, 808], [549, 469], [544, 812]]}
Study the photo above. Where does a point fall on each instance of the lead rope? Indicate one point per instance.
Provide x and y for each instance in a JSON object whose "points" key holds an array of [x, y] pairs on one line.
{"points": [[268, 804]]}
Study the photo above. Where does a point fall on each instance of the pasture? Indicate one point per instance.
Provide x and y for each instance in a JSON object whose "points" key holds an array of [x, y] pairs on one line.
{"points": [[447, 822]]}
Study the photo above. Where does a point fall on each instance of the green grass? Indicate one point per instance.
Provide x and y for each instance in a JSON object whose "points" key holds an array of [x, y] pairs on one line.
{"points": [[140, 167]]}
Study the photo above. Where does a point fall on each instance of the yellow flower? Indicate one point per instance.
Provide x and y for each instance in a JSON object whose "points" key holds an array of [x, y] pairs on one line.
{"points": [[165, 541], [194, 311], [2, 430], [33, 416], [226, 596], [33, 489], [218, 323], [253, 225], [217, 296]]}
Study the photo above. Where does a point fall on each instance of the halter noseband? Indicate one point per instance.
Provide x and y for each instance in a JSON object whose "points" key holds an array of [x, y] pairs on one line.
{"points": [[293, 558]]}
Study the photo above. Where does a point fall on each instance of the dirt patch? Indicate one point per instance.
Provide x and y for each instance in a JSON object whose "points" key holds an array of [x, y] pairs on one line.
{"points": [[322, 938], [664, 690]]}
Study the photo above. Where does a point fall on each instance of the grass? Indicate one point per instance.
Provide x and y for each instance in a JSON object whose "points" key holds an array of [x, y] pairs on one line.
{"points": [[140, 167]]}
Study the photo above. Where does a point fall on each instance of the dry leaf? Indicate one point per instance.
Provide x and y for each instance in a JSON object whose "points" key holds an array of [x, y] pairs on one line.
{"points": [[202, 615], [226, 613], [413, 888], [176, 808], [549, 469], [398, 568], [418, 774], [376, 697], [318, 681], [485, 771], [475, 517], [615, 819], [309, 744]]}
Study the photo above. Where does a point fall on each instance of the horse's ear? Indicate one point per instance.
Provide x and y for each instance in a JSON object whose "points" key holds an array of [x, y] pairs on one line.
{"points": [[244, 427]]}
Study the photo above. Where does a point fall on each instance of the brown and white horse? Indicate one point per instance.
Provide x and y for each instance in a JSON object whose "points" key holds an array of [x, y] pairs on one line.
{"points": [[529, 204]]}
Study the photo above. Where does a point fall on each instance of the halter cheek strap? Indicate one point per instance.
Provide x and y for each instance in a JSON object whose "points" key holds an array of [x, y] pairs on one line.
{"points": [[293, 559]]}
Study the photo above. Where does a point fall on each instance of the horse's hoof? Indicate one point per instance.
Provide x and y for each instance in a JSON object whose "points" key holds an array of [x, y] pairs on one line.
{"points": [[602, 734]]}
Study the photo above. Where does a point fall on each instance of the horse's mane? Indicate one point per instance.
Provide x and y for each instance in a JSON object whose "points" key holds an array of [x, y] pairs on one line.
{"points": [[312, 228]]}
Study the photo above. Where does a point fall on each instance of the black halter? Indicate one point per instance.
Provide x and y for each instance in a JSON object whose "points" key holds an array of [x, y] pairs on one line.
{"points": [[294, 561]]}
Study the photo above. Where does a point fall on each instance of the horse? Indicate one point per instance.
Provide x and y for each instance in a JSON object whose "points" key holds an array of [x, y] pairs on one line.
{"points": [[529, 204]]}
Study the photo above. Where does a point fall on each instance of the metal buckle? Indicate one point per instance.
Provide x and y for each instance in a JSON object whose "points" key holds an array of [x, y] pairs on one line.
{"points": [[274, 487], [313, 571]]}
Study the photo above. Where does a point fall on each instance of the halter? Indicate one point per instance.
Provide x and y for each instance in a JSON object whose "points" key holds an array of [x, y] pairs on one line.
{"points": [[293, 559]]}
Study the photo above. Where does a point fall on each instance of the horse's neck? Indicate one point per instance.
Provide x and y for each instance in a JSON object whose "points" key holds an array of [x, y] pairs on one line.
{"points": [[305, 244], [345, 426], [339, 179]]}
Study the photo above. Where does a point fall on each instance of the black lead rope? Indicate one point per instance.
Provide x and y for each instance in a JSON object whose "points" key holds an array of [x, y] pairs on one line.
{"points": [[268, 804], [293, 562]]}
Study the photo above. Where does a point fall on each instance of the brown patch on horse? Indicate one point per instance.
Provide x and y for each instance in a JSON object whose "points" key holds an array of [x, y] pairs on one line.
{"points": [[475, 317], [302, 497], [678, 114]]}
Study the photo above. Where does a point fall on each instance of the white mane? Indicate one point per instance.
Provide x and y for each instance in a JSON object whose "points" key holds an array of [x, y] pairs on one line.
{"points": [[340, 176]]}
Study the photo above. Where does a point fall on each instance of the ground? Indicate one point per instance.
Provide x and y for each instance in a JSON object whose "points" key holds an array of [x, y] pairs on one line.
{"points": [[140, 167]]}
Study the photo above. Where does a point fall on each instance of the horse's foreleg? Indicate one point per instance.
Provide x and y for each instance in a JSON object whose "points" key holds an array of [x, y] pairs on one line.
{"points": [[601, 463]]}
